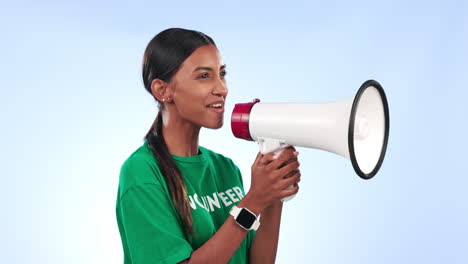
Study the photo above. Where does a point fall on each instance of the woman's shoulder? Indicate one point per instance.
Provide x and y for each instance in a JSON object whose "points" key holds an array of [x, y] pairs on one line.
{"points": [[212, 154], [139, 167], [224, 165], [141, 158], [217, 157]]}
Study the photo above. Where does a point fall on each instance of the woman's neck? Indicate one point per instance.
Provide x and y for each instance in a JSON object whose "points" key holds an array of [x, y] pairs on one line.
{"points": [[181, 137]]}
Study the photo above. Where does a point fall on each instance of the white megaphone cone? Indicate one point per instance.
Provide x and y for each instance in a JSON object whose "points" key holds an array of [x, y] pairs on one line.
{"points": [[356, 128]]}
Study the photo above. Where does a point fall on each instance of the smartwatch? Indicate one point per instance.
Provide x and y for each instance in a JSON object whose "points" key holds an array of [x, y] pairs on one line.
{"points": [[245, 218]]}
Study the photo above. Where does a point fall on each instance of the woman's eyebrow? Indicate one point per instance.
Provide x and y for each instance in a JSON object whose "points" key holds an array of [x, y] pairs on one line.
{"points": [[208, 68]]}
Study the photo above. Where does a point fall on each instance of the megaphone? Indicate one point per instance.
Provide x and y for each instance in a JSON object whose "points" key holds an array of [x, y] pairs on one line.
{"points": [[356, 128]]}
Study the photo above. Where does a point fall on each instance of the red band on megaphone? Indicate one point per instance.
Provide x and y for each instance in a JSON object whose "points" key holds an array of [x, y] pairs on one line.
{"points": [[240, 120]]}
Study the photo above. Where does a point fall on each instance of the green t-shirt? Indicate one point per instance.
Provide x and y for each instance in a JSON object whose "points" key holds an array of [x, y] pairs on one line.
{"points": [[149, 225]]}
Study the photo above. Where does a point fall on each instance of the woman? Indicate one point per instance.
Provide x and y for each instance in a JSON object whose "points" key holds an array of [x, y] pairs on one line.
{"points": [[175, 197]]}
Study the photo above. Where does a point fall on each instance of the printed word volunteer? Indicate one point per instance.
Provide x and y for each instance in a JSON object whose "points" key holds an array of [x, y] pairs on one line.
{"points": [[211, 202]]}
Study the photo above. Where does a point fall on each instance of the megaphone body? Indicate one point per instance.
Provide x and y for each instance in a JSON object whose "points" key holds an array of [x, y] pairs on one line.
{"points": [[356, 128]]}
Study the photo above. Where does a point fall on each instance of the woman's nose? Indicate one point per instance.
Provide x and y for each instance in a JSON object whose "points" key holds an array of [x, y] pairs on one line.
{"points": [[220, 88]]}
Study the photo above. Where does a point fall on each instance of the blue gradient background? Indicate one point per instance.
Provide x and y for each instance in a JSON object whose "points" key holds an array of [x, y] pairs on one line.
{"points": [[73, 107]]}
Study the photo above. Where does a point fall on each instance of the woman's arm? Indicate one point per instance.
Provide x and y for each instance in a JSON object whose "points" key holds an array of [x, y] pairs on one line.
{"points": [[270, 178], [222, 245], [265, 244]]}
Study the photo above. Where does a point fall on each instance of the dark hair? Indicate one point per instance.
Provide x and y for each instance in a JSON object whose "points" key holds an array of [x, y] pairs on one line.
{"points": [[163, 57]]}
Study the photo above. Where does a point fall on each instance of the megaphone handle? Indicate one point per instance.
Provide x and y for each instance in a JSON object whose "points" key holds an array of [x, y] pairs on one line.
{"points": [[285, 199], [276, 146]]}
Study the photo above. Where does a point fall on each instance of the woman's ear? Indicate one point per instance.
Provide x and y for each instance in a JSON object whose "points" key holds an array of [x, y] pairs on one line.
{"points": [[160, 90]]}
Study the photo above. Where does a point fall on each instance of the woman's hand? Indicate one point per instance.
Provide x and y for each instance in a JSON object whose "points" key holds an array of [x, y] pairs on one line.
{"points": [[270, 178]]}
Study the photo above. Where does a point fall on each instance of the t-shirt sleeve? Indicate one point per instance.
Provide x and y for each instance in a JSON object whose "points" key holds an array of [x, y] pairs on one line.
{"points": [[153, 232]]}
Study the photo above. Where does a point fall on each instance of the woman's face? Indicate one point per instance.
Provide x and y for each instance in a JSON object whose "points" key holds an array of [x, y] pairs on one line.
{"points": [[199, 89]]}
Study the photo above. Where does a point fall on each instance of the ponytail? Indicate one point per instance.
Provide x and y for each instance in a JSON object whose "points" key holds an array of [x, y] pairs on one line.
{"points": [[171, 173], [163, 57]]}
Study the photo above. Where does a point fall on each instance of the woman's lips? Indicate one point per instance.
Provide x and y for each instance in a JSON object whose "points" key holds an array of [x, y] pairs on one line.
{"points": [[217, 109]]}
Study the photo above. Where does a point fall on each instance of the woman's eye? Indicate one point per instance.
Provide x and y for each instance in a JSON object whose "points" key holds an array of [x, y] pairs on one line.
{"points": [[203, 76], [223, 73]]}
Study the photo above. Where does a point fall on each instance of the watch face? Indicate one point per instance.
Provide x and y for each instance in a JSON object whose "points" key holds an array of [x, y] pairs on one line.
{"points": [[246, 219]]}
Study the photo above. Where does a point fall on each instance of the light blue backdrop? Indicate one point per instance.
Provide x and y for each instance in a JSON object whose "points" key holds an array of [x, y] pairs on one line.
{"points": [[73, 107]]}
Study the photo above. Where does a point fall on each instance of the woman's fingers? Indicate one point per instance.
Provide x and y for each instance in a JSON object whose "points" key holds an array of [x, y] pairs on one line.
{"points": [[295, 178], [272, 175], [289, 192], [267, 158], [284, 157], [287, 169], [258, 158]]}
